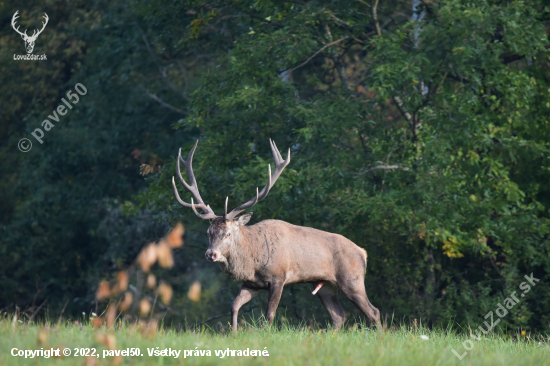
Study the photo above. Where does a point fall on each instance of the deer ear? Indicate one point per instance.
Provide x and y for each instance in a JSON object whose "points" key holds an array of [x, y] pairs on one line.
{"points": [[244, 219]]}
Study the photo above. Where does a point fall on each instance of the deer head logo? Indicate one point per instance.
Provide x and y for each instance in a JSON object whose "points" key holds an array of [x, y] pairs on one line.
{"points": [[29, 40]]}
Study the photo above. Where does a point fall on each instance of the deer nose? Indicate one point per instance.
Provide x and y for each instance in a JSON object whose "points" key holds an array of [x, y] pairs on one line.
{"points": [[211, 255]]}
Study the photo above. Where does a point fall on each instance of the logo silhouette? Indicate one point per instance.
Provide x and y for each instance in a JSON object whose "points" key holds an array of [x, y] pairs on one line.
{"points": [[29, 40]]}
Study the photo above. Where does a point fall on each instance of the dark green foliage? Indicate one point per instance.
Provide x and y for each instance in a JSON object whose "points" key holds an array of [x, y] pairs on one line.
{"points": [[427, 145], [60, 194]]}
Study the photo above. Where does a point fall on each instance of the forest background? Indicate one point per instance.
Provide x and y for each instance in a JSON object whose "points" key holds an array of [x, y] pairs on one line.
{"points": [[419, 130]]}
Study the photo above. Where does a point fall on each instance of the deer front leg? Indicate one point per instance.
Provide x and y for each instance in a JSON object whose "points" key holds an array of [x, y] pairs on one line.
{"points": [[242, 298], [275, 292]]}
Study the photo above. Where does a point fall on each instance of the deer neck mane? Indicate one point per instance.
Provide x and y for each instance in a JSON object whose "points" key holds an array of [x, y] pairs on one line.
{"points": [[243, 259]]}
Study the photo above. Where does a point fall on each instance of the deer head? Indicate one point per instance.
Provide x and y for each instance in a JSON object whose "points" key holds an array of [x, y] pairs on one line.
{"points": [[29, 40], [224, 230], [222, 234]]}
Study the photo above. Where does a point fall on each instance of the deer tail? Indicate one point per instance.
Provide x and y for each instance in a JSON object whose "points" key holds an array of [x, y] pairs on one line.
{"points": [[364, 252]]}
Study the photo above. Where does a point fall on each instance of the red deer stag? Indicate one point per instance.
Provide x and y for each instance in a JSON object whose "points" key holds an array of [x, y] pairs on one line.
{"points": [[274, 253]]}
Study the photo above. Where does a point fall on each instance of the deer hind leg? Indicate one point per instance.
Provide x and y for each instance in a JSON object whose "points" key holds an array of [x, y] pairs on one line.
{"points": [[357, 294], [328, 294], [242, 298]]}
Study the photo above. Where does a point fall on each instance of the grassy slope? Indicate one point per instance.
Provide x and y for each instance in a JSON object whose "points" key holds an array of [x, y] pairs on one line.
{"points": [[286, 346]]}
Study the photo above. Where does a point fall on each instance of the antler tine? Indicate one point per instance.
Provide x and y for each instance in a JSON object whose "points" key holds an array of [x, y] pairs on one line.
{"points": [[276, 154], [280, 164], [177, 195], [189, 172], [13, 19], [193, 188], [257, 194], [43, 25], [189, 166], [268, 186], [209, 215], [279, 159], [178, 170]]}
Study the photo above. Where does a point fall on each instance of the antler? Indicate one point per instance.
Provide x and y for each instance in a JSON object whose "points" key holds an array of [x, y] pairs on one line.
{"points": [[209, 213], [280, 164], [35, 34], [13, 24]]}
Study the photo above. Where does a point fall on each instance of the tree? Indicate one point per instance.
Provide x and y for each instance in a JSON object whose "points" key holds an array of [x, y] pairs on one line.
{"points": [[426, 143], [424, 139]]}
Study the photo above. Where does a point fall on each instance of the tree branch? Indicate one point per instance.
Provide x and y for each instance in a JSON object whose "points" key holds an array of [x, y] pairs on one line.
{"points": [[63, 310], [385, 167], [362, 140], [161, 69], [318, 52], [388, 167], [399, 103], [362, 2], [457, 78], [512, 58], [334, 58], [164, 104], [375, 17], [37, 310], [340, 21]]}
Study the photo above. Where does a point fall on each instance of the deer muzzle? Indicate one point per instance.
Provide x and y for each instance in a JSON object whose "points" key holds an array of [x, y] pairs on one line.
{"points": [[211, 255]]}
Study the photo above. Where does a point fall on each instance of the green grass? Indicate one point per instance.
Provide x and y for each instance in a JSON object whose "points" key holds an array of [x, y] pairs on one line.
{"points": [[286, 346]]}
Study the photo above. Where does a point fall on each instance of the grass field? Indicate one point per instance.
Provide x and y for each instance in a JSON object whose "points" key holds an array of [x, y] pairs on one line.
{"points": [[286, 346]]}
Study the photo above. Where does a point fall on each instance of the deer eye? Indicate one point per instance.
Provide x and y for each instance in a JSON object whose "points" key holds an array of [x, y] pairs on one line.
{"points": [[228, 235]]}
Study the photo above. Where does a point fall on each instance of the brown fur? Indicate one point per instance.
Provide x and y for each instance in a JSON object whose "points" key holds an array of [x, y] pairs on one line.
{"points": [[274, 253]]}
